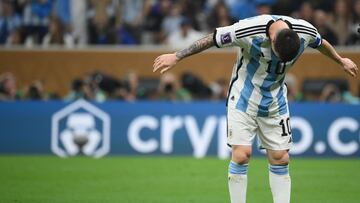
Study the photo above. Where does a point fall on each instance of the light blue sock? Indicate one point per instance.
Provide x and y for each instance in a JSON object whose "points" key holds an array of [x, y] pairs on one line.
{"points": [[235, 168], [279, 169]]}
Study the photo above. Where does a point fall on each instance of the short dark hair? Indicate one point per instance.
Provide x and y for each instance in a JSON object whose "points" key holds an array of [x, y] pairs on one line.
{"points": [[287, 44]]}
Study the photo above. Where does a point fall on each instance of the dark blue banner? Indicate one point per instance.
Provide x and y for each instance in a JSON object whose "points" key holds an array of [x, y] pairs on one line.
{"points": [[197, 129]]}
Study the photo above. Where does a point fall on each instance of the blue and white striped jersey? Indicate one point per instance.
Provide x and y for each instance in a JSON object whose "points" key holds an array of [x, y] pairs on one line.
{"points": [[257, 86]]}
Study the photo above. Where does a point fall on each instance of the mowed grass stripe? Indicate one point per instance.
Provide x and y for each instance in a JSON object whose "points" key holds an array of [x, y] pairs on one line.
{"points": [[149, 179]]}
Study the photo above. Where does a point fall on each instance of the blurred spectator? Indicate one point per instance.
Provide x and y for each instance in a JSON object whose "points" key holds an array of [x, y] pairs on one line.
{"points": [[219, 16], [105, 87], [101, 24], [78, 21], [209, 5], [8, 91], [9, 20], [172, 21], [169, 89], [153, 21], [323, 27], [133, 11], [120, 93], [57, 34], [148, 88], [16, 37], [325, 5], [36, 19], [354, 36], [293, 93], [341, 20], [349, 98], [79, 90], [110, 7], [194, 84], [132, 82], [287, 7], [94, 92], [126, 33], [131, 17], [62, 11], [219, 89], [356, 17], [192, 10], [263, 8], [35, 91], [307, 12], [240, 9], [268, 2], [183, 37], [331, 93], [123, 90], [19, 6]]}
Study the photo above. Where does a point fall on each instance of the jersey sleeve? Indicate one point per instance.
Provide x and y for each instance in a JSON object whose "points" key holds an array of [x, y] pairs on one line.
{"points": [[241, 33], [227, 36], [307, 28], [315, 41]]}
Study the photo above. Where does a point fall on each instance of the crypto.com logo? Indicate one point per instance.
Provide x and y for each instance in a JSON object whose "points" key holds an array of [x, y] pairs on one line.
{"points": [[80, 128]]}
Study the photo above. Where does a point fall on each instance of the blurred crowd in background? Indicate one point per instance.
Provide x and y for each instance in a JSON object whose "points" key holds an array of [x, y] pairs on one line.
{"points": [[175, 23], [100, 87]]}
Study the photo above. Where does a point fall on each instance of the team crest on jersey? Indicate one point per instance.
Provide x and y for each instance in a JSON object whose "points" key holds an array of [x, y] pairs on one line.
{"points": [[225, 38]]}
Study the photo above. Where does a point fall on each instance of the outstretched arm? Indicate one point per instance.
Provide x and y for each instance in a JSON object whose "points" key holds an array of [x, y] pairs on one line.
{"points": [[348, 65], [168, 61]]}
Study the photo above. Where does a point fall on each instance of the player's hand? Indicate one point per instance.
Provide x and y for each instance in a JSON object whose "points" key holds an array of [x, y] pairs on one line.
{"points": [[350, 67], [165, 62]]}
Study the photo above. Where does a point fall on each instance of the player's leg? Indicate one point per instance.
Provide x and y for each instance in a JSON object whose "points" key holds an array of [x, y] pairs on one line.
{"points": [[279, 178], [237, 174], [241, 132], [275, 136]]}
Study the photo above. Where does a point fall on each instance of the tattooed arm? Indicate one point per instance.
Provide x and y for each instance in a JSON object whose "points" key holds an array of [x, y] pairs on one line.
{"points": [[167, 61], [196, 47]]}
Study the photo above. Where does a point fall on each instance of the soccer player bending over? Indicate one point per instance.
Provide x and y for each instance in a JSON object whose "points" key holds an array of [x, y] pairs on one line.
{"points": [[257, 105]]}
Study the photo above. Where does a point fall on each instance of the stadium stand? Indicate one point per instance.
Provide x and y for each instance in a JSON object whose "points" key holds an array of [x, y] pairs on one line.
{"points": [[52, 30]]}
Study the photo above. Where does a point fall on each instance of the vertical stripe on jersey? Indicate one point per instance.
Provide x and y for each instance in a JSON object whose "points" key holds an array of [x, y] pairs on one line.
{"points": [[280, 96], [251, 68], [239, 64], [281, 99], [266, 87]]}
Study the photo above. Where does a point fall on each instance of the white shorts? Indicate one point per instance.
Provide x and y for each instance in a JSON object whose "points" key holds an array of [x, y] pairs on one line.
{"points": [[273, 132]]}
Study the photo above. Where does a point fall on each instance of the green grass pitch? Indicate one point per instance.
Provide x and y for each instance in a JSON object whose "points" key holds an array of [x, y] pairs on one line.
{"points": [[149, 179]]}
